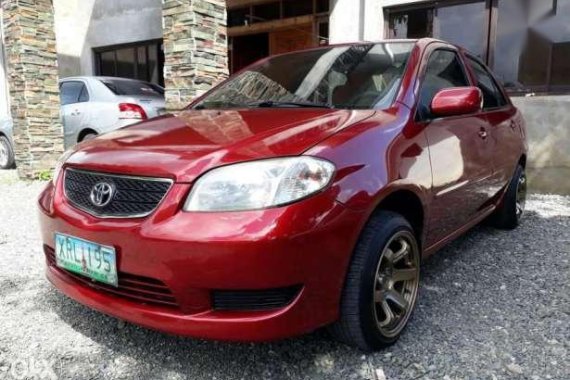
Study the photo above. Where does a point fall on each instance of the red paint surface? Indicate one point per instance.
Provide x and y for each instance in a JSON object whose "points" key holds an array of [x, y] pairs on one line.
{"points": [[458, 176]]}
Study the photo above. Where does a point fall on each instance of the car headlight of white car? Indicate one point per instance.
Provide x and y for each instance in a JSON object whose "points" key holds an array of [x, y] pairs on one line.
{"points": [[259, 184]]}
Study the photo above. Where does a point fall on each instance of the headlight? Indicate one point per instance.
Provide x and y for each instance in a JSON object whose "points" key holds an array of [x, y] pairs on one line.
{"points": [[59, 164], [259, 184]]}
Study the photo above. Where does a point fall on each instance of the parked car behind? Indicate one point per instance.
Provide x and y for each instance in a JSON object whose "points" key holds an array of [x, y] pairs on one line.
{"points": [[91, 106], [6, 144], [302, 192], [94, 105]]}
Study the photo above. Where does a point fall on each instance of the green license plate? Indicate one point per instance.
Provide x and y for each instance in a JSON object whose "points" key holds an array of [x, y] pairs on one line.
{"points": [[92, 260]]}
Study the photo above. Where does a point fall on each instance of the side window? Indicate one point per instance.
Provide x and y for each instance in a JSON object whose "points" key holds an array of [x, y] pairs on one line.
{"points": [[83, 95], [73, 92], [492, 95], [444, 70]]}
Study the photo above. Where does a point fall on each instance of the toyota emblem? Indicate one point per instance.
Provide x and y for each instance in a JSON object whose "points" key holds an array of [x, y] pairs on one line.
{"points": [[102, 194]]}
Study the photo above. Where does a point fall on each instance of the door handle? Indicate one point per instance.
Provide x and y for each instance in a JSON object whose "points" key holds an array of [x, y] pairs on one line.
{"points": [[483, 133], [76, 113]]}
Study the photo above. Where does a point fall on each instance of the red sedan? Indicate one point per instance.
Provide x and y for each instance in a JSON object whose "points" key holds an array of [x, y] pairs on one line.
{"points": [[302, 192]]}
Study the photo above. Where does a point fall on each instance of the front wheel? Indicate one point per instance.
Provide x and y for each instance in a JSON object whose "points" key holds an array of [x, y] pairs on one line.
{"points": [[382, 284]]}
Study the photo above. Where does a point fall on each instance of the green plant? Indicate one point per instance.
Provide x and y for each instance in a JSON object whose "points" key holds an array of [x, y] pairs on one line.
{"points": [[45, 175]]}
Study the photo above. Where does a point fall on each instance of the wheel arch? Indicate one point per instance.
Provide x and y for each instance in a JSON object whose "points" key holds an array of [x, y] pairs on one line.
{"points": [[85, 132], [407, 203]]}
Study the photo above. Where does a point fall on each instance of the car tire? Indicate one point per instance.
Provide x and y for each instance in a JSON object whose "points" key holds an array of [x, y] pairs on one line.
{"points": [[510, 211], [88, 136], [6, 154], [378, 267]]}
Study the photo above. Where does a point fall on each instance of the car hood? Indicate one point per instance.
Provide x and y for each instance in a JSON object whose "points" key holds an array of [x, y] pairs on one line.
{"points": [[185, 145]]}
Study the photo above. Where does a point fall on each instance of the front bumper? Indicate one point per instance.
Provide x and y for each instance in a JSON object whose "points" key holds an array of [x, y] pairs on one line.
{"points": [[306, 244]]}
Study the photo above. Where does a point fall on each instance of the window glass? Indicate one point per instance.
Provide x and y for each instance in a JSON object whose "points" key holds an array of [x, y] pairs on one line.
{"points": [[83, 95], [412, 24], [348, 77], [126, 63], [70, 92], [532, 45], [107, 63], [465, 25], [492, 96], [132, 87], [144, 62], [443, 70]]}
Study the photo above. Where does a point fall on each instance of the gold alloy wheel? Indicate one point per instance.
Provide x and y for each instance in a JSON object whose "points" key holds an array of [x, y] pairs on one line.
{"points": [[396, 283]]}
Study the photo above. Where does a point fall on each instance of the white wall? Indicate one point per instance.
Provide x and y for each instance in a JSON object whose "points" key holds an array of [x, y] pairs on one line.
{"points": [[81, 25]]}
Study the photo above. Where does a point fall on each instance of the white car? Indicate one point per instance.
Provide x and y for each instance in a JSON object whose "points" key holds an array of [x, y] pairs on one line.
{"points": [[91, 106], [94, 105]]}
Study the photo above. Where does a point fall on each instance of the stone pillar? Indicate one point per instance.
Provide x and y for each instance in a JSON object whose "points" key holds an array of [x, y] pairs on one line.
{"points": [[31, 61], [195, 48]]}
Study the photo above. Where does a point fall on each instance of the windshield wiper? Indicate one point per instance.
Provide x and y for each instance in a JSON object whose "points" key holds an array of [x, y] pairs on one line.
{"points": [[277, 104]]}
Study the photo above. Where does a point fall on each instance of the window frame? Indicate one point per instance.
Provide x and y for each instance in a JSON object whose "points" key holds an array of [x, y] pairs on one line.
{"points": [[501, 89], [421, 78], [98, 52], [492, 8], [78, 94]]}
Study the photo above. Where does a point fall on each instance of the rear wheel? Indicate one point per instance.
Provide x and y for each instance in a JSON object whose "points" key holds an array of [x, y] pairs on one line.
{"points": [[511, 210], [381, 287], [6, 153]]}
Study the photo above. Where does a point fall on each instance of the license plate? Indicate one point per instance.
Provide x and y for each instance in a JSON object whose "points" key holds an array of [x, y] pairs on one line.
{"points": [[96, 261]]}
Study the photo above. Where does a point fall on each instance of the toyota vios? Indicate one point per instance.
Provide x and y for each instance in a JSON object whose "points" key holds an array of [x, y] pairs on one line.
{"points": [[302, 192]]}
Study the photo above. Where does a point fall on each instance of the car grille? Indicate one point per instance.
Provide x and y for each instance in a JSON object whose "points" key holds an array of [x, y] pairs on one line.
{"points": [[244, 300], [144, 290], [134, 197]]}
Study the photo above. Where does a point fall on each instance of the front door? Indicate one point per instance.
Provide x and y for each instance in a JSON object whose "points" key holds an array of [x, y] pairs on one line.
{"points": [[460, 151]]}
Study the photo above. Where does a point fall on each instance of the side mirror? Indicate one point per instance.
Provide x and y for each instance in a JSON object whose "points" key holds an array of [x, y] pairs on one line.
{"points": [[457, 101]]}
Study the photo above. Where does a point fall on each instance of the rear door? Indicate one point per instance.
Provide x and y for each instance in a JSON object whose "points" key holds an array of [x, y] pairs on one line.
{"points": [[460, 149], [74, 97], [500, 114]]}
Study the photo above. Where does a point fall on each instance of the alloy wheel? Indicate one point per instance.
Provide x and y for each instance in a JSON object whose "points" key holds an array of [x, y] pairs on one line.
{"points": [[396, 284]]}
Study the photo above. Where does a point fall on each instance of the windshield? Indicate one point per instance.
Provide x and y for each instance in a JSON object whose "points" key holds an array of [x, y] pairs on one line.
{"points": [[131, 87], [351, 77]]}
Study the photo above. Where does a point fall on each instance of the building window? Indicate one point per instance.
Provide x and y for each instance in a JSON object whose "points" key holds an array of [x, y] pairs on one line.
{"points": [[144, 61], [532, 45], [527, 43], [416, 23], [463, 24]]}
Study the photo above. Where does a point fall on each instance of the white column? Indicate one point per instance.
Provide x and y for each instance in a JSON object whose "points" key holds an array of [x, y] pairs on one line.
{"points": [[356, 20]]}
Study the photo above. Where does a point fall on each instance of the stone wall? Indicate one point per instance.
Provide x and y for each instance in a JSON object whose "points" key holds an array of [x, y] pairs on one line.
{"points": [[31, 62], [195, 48]]}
